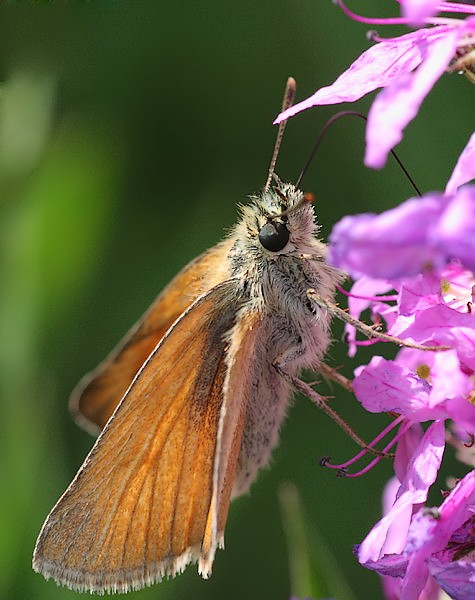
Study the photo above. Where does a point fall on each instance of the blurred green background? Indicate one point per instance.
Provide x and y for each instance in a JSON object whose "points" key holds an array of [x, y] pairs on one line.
{"points": [[128, 132]]}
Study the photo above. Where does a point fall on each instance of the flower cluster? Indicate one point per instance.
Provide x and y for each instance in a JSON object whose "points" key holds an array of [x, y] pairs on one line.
{"points": [[432, 305], [406, 67], [413, 267], [433, 308]]}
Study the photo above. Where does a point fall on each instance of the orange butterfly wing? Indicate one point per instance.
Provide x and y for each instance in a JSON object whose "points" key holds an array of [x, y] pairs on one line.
{"points": [[154, 492], [99, 392]]}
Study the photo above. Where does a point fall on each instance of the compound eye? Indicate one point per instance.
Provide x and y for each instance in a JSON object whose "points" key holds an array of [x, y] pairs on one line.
{"points": [[273, 236]]}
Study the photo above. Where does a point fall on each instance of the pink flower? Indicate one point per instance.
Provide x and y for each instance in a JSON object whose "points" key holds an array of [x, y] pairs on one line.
{"points": [[389, 386], [398, 104], [453, 568], [394, 244], [438, 544], [423, 386], [414, 553], [363, 296], [420, 473], [414, 269], [406, 67], [418, 235]]}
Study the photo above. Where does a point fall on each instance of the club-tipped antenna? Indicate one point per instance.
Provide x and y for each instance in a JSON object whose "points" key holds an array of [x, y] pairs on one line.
{"points": [[289, 96], [331, 121]]}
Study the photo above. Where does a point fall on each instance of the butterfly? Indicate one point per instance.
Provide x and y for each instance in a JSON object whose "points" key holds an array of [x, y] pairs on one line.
{"points": [[188, 407]]}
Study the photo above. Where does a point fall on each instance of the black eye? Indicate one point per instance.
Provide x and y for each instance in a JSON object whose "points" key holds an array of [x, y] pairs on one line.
{"points": [[274, 235]]}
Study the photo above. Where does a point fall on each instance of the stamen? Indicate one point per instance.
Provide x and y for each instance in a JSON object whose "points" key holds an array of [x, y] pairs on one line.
{"points": [[367, 342], [367, 330], [451, 7], [373, 36], [471, 442], [456, 7], [368, 20], [458, 438], [365, 470], [445, 21], [325, 461], [376, 460], [387, 298]]}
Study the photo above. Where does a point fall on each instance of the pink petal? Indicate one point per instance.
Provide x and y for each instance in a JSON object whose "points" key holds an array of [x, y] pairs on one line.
{"points": [[377, 67], [428, 535], [384, 386], [458, 506], [398, 104], [391, 587], [415, 578], [431, 590], [364, 292], [462, 412], [454, 566], [465, 345], [464, 170], [432, 325], [418, 293], [390, 245], [406, 447], [448, 381], [456, 579], [397, 535], [455, 231], [367, 289], [413, 359]]}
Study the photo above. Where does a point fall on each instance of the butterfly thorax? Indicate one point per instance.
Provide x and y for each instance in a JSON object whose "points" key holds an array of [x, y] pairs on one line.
{"points": [[276, 282]]}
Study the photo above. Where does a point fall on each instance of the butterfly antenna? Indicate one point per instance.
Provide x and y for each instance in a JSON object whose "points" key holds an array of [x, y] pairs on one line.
{"points": [[331, 121], [289, 96]]}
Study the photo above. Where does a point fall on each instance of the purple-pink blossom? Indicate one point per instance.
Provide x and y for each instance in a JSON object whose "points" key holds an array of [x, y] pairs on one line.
{"points": [[419, 235], [414, 273], [385, 385], [419, 474], [398, 104], [412, 550], [453, 568], [438, 543], [429, 309], [405, 67], [423, 291]]}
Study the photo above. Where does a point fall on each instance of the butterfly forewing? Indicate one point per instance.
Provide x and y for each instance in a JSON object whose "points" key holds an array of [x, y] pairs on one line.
{"points": [[98, 393], [149, 493]]}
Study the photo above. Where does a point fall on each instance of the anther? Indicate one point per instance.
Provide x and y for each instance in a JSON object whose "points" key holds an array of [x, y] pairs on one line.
{"points": [[469, 444]]}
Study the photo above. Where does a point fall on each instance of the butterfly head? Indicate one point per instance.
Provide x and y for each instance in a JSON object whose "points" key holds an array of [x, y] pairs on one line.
{"points": [[279, 221]]}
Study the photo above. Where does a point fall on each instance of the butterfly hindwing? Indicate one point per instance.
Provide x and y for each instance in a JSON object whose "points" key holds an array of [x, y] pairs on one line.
{"points": [[99, 392]]}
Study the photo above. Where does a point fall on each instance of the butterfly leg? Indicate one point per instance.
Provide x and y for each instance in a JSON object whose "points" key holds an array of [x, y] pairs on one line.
{"points": [[334, 375], [321, 402], [305, 389], [369, 331]]}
